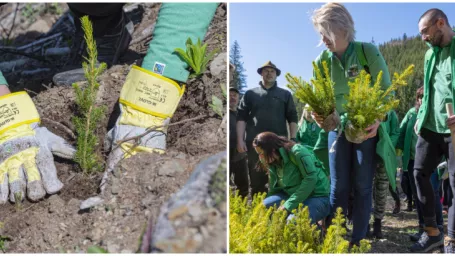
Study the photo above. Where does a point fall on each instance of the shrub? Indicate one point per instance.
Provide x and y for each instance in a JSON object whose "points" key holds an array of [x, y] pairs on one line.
{"points": [[255, 229]]}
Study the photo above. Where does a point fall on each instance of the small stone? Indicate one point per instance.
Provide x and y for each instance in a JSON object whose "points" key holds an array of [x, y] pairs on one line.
{"points": [[96, 234], [181, 156], [115, 188], [148, 200], [117, 171], [204, 231], [67, 78], [198, 238], [170, 168], [218, 64], [55, 204], [91, 202], [115, 75], [112, 247], [222, 208], [40, 26], [124, 167], [177, 212], [194, 211]]}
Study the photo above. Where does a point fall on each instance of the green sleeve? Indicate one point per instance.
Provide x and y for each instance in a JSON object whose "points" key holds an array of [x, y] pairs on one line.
{"points": [[176, 22], [376, 63], [2, 79], [402, 131], [394, 128], [272, 182], [305, 162]]}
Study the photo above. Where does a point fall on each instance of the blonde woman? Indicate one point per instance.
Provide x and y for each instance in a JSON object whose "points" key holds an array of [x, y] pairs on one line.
{"points": [[351, 165]]}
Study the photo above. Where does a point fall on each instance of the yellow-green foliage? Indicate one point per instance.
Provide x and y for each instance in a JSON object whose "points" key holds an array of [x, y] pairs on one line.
{"points": [[366, 103], [89, 115], [319, 95], [255, 229], [334, 241]]}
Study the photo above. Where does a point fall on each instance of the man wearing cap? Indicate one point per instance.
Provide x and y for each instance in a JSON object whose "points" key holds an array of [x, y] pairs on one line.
{"points": [[264, 108]]}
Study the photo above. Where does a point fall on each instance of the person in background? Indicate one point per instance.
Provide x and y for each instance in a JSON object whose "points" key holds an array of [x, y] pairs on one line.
{"points": [[264, 108], [308, 134]]}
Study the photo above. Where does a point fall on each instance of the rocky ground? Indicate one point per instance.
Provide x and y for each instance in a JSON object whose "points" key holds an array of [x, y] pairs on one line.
{"points": [[143, 194]]}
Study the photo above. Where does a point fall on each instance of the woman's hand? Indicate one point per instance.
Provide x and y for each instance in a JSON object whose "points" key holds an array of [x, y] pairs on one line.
{"points": [[372, 130], [318, 119]]}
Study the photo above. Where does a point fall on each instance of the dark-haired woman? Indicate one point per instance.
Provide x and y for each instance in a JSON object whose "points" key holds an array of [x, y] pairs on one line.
{"points": [[295, 176]]}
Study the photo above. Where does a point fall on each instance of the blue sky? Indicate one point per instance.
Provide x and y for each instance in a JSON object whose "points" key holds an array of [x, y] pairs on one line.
{"points": [[283, 33]]}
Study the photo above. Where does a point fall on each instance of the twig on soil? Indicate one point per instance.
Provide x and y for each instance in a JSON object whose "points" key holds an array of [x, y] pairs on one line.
{"points": [[181, 130], [222, 125], [63, 127], [153, 128], [30, 91], [26, 209], [70, 178], [45, 86]]}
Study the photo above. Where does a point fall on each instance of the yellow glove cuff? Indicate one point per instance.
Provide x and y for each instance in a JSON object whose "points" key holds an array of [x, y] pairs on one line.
{"points": [[150, 93], [16, 109]]}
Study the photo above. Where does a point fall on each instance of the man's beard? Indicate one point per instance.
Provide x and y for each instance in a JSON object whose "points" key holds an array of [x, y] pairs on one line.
{"points": [[437, 39]]}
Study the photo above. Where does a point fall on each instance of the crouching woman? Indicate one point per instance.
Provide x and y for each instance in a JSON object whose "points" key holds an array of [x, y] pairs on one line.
{"points": [[295, 176]]}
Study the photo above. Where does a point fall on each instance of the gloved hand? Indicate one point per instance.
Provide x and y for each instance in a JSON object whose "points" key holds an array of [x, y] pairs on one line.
{"points": [[146, 100], [150, 98], [26, 161]]}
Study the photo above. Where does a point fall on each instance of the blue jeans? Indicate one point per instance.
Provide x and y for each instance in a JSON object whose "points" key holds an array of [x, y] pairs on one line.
{"points": [[318, 207], [354, 163]]}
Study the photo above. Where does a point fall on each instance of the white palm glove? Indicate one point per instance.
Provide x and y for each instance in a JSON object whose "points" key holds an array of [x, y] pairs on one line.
{"points": [[26, 162]]}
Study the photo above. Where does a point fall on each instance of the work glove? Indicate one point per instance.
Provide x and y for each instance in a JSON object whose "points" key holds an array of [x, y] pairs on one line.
{"points": [[26, 161], [151, 93], [146, 100]]}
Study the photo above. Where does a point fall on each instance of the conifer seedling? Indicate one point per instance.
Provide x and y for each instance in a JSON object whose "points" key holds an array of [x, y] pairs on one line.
{"points": [[318, 94], [366, 103], [89, 115]]}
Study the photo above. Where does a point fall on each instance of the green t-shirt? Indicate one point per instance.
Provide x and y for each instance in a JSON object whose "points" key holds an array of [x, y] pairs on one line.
{"points": [[440, 93], [2, 79]]}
